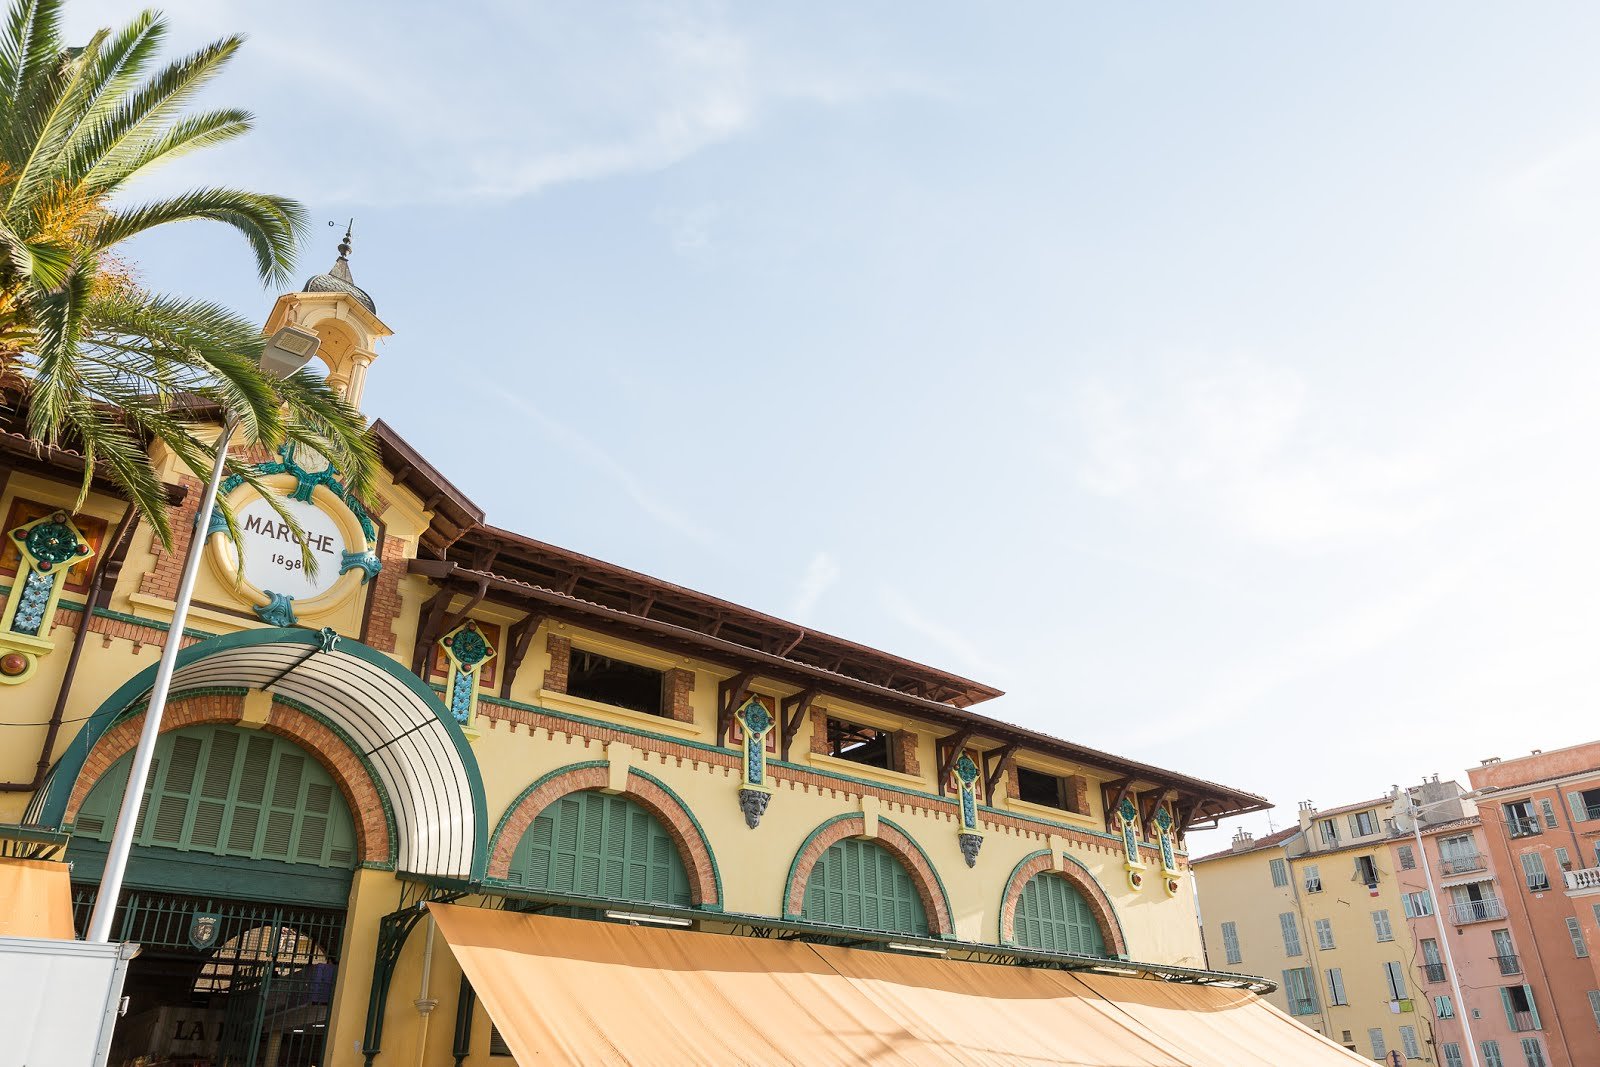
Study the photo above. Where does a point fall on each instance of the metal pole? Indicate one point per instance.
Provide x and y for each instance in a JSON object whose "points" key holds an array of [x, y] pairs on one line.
{"points": [[105, 905], [1444, 935]]}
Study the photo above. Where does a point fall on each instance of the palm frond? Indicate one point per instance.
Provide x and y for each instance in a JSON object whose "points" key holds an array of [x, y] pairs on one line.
{"points": [[30, 44], [270, 224], [101, 156]]}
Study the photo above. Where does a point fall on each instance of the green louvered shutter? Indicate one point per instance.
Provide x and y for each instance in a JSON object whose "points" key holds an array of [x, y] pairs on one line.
{"points": [[230, 792], [600, 845], [1053, 916], [861, 884]]}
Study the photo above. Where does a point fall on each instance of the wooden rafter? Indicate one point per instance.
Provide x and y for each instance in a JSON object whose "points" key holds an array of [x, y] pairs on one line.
{"points": [[793, 712], [949, 749], [458, 617], [518, 641], [995, 764], [731, 693]]}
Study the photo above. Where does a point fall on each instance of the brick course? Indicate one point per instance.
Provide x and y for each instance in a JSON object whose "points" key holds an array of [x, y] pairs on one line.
{"points": [[387, 603], [555, 675], [1099, 903], [322, 744], [898, 844], [677, 686], [657, 801], [161, 580]]}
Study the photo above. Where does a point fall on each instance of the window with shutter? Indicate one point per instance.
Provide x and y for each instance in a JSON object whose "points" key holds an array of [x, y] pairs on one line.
{"points": [[1054, 916], [230, 792], [1336, 995], [1580, 948], [1408, 1041], [1380, 1048], [600, 845], [1324, 933], [1291, 934], [1452, 1055], [1533, 1052], [1491, 1054], [861, 884], [1381, 925], [1230, 943], [1533, 871]]}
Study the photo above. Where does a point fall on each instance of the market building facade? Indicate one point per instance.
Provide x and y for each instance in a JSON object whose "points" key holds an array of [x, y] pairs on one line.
{"points": [[449, 712]]}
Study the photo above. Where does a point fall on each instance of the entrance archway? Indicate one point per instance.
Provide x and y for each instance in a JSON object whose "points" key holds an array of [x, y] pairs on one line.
{"points": [[236, 891]]}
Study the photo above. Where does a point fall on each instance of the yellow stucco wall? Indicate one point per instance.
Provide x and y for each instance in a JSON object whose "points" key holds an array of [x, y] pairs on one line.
{"points": [[754, 863], [1239, 889]]}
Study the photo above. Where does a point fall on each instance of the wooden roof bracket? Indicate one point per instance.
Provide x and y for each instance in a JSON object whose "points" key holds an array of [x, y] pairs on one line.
{"points": [[731, 694], [792, 720], [995, 764], [428, 630], [1113, 793], [518, 640], [951, 746]]}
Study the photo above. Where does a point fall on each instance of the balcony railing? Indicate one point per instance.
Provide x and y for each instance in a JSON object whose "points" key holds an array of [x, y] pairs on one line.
{"points": [[1523, 1021], [1517, 826], [1433, 972], [1463, 864], [1477, 911], [1508, 964], [1302, 1007], [1588, 878]]}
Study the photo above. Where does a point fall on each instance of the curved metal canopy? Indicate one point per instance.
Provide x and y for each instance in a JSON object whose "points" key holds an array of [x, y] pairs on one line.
{"points": [[394, 722]]}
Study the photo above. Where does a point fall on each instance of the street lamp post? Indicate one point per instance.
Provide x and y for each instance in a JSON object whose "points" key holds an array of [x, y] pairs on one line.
{"points": [[1444, 935], [286, 351]]}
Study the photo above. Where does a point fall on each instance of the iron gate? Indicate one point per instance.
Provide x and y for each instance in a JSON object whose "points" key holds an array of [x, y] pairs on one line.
{"points": [[271, 967]]}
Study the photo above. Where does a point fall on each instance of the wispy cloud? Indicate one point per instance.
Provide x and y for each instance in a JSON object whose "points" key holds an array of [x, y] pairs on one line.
{"points": [[590, 452], [822, 574], [956, 646], [1235, 444], [513, 100]]}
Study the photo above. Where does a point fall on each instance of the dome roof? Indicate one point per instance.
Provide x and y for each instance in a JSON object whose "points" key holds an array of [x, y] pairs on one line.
{"points": [[339, 280]]}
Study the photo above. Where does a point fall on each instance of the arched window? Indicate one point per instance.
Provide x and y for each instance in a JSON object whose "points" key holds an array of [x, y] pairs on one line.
{"points": [[600, 845], [1052, 915], [230, 792], [861, 884]]}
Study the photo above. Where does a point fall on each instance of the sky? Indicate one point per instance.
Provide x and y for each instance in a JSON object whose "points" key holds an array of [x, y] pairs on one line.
{"points": [[1218, 380]]}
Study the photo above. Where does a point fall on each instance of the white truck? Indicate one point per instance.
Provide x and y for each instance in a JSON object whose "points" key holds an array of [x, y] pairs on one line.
{"points": [[60, 1000]]}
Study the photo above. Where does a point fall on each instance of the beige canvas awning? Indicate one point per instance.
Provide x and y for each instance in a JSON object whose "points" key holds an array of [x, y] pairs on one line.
{"points": [[573, 991], [35, 899]]}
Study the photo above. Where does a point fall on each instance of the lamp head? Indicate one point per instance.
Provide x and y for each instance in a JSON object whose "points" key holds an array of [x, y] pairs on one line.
{"points": [[288, 350]]}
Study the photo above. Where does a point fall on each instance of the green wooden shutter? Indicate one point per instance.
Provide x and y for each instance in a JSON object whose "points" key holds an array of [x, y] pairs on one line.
{"points": [[1580, 808], [230, 792], [1053, 916], [599, 845], [1533, 1009], [861, 884]]}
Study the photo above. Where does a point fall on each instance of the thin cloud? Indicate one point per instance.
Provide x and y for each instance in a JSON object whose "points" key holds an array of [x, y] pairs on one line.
{"points": [[956, 646], [822, 574], [585, 448]]}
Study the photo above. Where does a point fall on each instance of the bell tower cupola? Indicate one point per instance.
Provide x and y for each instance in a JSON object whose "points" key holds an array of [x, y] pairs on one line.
{"points": [[343, 315]]}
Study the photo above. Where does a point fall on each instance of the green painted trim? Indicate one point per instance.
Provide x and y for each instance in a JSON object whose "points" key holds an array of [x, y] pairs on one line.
{"points": [[372, 775], [71, 762], [938, 879], [705, 842], [1011, 880], [794, 865], [505, 815], [154, 624], [805, 768], [236, 877]]}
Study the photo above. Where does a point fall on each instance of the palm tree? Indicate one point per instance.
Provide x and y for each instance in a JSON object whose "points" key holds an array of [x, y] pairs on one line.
{"points": [[89, 359]]}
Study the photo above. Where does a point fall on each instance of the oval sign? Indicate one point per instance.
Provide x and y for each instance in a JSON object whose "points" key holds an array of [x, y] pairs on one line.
{"points": [[271, 557]]}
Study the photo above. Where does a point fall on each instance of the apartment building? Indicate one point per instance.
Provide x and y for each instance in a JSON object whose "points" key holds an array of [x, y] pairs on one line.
{"points": [[1541, 828], [1466, 926], [1320, 907]]}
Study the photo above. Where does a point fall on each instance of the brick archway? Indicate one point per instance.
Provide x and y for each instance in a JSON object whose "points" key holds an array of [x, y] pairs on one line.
{"points": [[705, 885], [900, 846], [368, 810], [1080, 879]]}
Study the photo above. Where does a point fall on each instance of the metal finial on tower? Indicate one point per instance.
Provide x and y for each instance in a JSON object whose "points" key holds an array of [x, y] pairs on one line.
{"points": [[344, 245]]}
